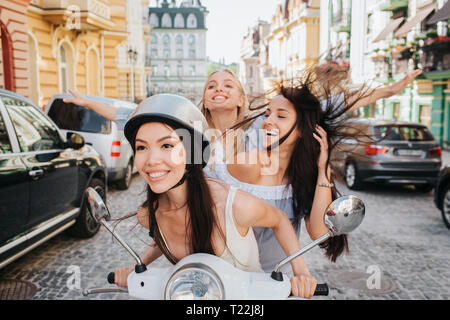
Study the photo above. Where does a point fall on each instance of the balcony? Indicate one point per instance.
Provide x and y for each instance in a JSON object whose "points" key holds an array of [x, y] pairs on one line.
{"points": [[401, 59], [434, 55], [76, 14]]}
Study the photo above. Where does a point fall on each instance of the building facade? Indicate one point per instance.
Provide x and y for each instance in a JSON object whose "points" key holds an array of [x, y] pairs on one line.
{"points": [[381, 45], [84, 45], [252, 55], [281, 48], [293, 41], [14, 50], [177, 50], [134, 72]]}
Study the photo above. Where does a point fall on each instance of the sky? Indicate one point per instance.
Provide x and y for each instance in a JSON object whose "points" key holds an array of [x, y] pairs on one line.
{"points": [[228, 22]]}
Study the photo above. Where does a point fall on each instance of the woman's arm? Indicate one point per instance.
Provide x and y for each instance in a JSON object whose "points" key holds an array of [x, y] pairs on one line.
{"points": [[250, 211], [322, 195], [384, 92], [109, 112]]}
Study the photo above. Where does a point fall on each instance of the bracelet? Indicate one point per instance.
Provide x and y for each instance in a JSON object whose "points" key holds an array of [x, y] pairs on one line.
{"points": [[326, 185]]}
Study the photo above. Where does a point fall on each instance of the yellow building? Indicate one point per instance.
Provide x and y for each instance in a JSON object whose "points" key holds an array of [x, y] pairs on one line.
{"points": [[14, 69], [293, 40], [73, 44]]}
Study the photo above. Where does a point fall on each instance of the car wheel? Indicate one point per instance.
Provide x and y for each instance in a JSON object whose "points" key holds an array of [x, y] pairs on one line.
{"points": [[85, 226], [351, 177], [446, 206], [125, 182], [424, 187]]}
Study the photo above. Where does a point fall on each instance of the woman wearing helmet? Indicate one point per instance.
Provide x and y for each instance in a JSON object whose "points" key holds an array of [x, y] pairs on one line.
{"points": [[187, 213]]}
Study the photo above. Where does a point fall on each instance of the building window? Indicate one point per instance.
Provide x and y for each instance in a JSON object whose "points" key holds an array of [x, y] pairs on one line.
{"points": [[154, 70], [192, 21], [192, 70], [191, 39], [180, 70], [167, 71], [154, 20], [178, 39], [166, 53], [166, 21], [179, 21], [179, 53], [66, 75], [154, 39], [166, 40], [154, 53], [192, 53]]}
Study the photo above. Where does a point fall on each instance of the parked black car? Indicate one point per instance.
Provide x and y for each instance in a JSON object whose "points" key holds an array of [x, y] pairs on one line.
{"points": [[388, 151], [442, 194], [43, 178]]}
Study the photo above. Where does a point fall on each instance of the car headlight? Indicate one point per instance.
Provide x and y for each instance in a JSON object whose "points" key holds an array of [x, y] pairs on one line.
{"points": [[194, 282]]}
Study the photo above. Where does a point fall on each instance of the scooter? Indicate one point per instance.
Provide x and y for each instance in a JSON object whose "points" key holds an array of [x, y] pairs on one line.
{"points": [[208, 277]]}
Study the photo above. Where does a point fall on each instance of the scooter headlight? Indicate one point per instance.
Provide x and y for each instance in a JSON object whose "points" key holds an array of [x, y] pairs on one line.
{"points": [[194, 282]]}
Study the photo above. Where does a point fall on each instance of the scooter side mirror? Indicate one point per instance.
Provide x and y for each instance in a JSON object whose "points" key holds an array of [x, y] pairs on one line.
{"points": [[97, 208], [100, 213], [342, 216]]}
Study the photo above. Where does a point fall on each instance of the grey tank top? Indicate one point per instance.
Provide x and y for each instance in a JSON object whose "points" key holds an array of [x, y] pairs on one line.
{"points": [[270, 251]]}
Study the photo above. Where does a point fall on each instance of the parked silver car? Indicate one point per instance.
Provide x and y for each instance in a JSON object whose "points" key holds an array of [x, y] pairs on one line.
{"points": [[393, 152], [97, 131]]}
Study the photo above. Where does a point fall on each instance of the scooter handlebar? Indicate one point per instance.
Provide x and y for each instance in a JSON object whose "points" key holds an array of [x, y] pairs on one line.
{"points": [[321, 289], [111, 278]]}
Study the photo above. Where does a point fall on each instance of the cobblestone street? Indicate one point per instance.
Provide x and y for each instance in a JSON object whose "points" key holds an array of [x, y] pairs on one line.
{"points": [[402, 239]]}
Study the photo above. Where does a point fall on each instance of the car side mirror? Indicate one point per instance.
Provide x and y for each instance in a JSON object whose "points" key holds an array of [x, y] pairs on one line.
{"points": [[74, 141]]}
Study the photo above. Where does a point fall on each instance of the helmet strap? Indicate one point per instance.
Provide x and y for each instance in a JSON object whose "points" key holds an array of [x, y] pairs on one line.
{"points": [[187, 172]]}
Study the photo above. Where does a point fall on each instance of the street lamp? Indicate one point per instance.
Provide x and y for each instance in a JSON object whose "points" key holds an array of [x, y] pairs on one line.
{"points": [[132, 54]]}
